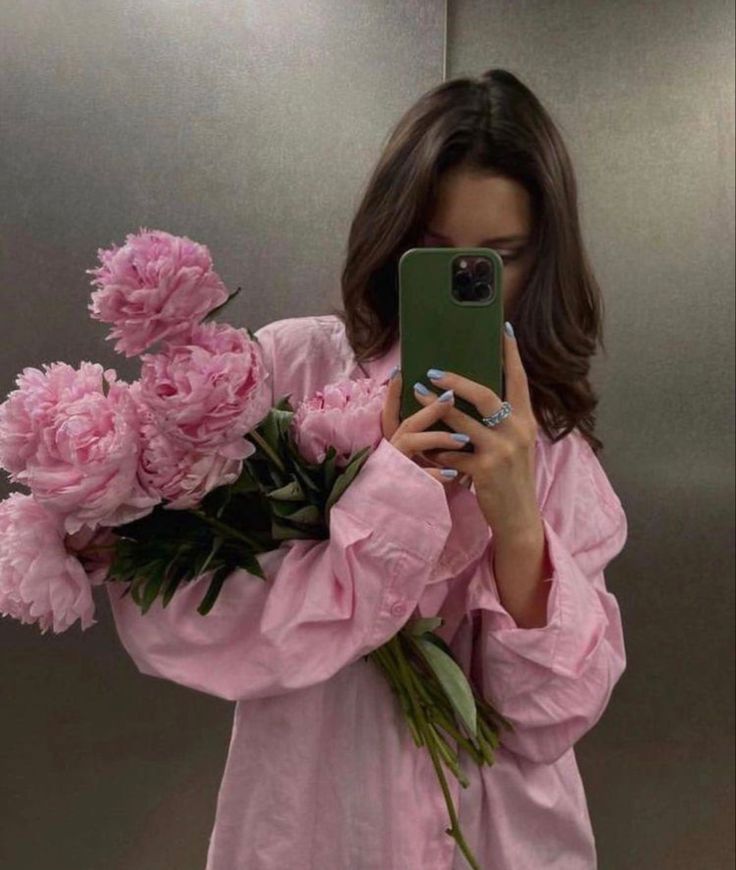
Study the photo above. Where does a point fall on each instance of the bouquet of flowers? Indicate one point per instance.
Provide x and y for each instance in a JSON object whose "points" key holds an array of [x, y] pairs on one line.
{"points": [[189, 469]]}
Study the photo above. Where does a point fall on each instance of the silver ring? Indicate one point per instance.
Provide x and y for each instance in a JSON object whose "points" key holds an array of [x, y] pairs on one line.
{"points": [[503, 412]]}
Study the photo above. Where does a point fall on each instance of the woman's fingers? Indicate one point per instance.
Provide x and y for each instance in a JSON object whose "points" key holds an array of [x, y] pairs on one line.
{"points": [[416, 422], [437, 474], [412, 439], [391, 405], [424, 442]]}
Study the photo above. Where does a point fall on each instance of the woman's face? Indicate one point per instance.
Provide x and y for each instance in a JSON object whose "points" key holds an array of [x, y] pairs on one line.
{"points": [[485, 211]]}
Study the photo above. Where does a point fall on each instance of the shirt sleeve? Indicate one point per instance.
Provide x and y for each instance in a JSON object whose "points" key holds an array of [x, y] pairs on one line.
{"points": [[323, 604], [553, 683]]}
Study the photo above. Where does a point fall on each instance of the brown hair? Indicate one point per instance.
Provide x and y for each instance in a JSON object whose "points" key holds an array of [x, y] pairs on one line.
{"points": [[492, 124]]}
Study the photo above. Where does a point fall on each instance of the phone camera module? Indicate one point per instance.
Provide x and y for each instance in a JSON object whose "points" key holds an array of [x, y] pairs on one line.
{"points": [[472, 279]]}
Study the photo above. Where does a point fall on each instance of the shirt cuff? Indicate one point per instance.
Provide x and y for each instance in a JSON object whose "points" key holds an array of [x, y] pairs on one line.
{"points": [[575, 617]]}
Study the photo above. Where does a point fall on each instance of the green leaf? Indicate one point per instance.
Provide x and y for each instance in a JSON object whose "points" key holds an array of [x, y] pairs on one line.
{"points": [[215, 547], [437, 641], [284, 532], [172, 583], [308, 514], [216, 500], [301, 471], [453, 681], [291, 491], [282, 422], [245, 483], [153, 585], [347, 476], [272, 426], [329, 468], [270, 430], [248, 561], [283, 404], [218, 578], [419, 626]]}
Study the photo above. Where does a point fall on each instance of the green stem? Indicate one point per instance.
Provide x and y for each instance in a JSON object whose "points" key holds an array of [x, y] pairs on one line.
{"points": [[383, 661], [431, 739], [470, 748], [392, 653], [488, 742], [435, 716], [451, 759], [453, 831], [442, 712], [268, 450], [491, 712], [490, 730]]}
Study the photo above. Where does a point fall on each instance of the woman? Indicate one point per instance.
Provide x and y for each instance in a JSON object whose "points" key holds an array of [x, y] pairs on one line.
{"points": [[322, 770]]}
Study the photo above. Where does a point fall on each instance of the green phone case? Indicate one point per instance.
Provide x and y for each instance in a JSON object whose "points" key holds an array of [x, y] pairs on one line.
{"points": [[439, 331]]}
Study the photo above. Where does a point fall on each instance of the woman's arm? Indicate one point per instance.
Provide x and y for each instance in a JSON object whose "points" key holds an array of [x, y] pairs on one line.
{"points": [[553, 682], [324, 603]]}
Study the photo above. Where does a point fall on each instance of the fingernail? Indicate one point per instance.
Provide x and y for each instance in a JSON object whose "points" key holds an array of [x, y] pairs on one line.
{"points": [[394, 371], [435, 374], [459, 436], [421, 389], [446, 396], [509, 329], [449, 472]]}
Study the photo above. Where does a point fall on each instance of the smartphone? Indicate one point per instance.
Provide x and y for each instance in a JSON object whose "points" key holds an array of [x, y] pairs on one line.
{"points": [[450, 318]]}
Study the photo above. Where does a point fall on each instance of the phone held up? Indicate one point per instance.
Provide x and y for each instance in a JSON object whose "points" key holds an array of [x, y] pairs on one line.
{"points": [[450, 318]]}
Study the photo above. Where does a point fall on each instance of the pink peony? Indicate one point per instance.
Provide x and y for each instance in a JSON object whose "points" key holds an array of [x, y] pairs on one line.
{"points": [[345, 415], [153, 287], [209, 390], [75, 446], [182, 477], [26, 411], [40, 581]]}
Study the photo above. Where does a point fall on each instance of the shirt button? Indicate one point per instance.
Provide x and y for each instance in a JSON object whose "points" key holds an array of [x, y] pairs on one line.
{"points": [[398, 609]]}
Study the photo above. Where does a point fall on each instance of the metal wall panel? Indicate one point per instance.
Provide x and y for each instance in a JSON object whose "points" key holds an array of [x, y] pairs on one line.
{"points": [[644, 96], [250, 127]]}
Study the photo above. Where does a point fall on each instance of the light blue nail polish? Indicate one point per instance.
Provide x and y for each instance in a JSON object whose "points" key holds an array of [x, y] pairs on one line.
{"points": [[509, 329], [394, 371], [459, 436], [446, 396], [421, 389], [449, 472], [434, 374]]}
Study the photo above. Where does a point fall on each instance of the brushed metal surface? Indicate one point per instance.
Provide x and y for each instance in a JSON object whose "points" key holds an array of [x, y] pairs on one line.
{"points": [[252, 127]]}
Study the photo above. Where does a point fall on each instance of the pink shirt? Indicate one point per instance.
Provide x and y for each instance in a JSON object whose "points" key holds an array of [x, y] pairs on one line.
{"points": [[322, 772]]}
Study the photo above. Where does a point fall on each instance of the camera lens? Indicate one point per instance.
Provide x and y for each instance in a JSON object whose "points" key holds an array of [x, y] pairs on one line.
{"points": [[482, 270], [463, 279]]}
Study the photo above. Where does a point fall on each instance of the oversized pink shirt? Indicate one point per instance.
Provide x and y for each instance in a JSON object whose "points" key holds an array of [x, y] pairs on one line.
{"points": [[322, 772]]}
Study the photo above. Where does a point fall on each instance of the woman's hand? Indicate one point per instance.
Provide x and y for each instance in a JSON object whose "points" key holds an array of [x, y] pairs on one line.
{"points": [[408, 435], [503, 464]]}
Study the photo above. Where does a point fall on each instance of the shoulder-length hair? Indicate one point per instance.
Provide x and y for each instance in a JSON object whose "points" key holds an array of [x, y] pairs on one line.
{"points": [[493, 123]]}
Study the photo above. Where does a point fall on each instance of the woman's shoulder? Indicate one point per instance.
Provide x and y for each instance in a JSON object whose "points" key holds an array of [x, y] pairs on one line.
{"points": [[314, 326], [571, 468], [303, 353]]}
